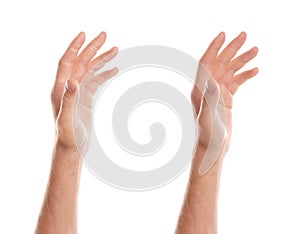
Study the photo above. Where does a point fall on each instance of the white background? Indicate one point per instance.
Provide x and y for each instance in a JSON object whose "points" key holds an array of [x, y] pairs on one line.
{"points": [[260, 183]]}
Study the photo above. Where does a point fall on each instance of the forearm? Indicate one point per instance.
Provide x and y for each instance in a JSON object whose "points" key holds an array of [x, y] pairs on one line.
{"points": [[199, 211], [59, 211]]}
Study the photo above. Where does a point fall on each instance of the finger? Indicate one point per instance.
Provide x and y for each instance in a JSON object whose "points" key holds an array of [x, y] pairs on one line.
{"points": [[93, 84], [92, 48], [66, 62], [212, 93], [106, 74], [67, 106], [213, 49], [241, 60], [244, 76], [100, 61], [203, 75], [230, 51], [241, 78], [207, 109]]}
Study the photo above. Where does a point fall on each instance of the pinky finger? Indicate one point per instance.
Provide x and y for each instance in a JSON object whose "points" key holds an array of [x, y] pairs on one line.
{"points": [[99, 79], [100, 61], [106, 74], [242, 78]]}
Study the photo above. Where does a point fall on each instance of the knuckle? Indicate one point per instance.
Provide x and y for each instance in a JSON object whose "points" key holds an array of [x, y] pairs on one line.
{"points": [[81, 60], [93, 48], [64, 62], [61, 61]]}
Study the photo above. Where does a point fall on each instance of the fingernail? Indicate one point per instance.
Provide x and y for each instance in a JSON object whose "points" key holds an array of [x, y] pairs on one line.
{"points": [[70, 86]]}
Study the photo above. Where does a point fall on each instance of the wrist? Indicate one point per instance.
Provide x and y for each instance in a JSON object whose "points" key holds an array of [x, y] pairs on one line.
{"points": [[65, 146], [68, 152]]}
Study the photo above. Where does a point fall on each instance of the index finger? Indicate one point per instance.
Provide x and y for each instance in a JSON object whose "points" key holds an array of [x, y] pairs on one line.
{"points": [[213, 49], [230, 51], [66, 62], [91, 49]]}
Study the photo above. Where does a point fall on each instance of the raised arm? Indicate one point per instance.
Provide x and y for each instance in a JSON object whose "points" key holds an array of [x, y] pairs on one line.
{"points": [[199, 211], [59, 210]]}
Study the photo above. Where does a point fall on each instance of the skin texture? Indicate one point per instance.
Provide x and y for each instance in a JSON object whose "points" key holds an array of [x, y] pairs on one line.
{"points": [[59, 210], [199, 212]]}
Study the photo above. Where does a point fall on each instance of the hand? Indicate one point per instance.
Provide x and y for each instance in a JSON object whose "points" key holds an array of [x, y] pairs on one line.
{"points": [[225, 78], [76, 69]]}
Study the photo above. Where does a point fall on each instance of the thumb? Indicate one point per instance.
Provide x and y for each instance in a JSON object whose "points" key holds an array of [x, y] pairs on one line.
{"points": [[68, 102], [211, 98], [209, 109]]}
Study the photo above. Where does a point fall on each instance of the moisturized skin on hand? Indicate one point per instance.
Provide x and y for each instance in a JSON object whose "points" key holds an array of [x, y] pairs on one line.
{"points": [[210, 90], [82, 113], [59, 210], [199, 211]]}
